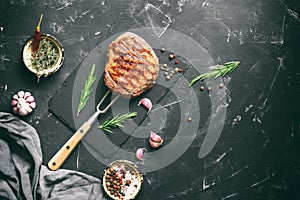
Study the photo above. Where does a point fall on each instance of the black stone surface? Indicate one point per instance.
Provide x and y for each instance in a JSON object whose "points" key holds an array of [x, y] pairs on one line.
{"points": [[257, 155]]}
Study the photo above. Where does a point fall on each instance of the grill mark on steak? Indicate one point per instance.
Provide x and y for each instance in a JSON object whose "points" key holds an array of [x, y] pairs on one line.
{"points": [[132, 66]]}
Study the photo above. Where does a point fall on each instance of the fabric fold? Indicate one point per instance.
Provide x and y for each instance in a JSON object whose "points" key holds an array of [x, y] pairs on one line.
{"points": [[22, 175]]}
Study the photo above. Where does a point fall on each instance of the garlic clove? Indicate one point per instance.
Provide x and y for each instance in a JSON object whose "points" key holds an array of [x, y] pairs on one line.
{"points": [[15, 109], [27, 94], [29, 99], [147, 103], [139, 153], [153, 144], [155, 138], [21, 94], [32, 105], [15, 97], [14, 102]]}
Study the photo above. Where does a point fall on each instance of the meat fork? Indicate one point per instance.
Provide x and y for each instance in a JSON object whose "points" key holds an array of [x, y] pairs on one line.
{"points": [[59, 158]]}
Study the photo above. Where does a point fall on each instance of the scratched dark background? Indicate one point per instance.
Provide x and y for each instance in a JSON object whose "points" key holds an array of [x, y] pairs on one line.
{"points": [[257, 155]]}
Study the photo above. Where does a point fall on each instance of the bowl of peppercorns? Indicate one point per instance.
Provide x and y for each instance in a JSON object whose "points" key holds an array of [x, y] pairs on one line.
{"points": [[122, 180]]}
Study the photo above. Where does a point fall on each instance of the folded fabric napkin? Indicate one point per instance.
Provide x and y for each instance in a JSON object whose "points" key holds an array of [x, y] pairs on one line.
{"points": [[22, 175]]}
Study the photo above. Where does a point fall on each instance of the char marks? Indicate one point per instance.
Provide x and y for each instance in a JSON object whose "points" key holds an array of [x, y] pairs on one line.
{"points": [[132, 66]]}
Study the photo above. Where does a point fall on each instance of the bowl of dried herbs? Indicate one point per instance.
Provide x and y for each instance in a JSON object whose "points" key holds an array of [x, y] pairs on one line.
{"points": [[45, 60]]}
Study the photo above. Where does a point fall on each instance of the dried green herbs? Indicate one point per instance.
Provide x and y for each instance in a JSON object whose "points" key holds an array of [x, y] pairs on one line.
{"points": [[116, 121], [86, 91], [221, 70], [45, 57]]}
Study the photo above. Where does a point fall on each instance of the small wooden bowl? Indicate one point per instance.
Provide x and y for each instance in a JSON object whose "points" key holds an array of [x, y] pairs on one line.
{"points": [[28, 54], [130, 167]]}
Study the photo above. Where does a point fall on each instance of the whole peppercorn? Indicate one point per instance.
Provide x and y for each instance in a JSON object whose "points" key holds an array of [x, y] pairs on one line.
{"points": [[127, 182], [221, 85], [163, 50], [171, 56], [201, 87]]}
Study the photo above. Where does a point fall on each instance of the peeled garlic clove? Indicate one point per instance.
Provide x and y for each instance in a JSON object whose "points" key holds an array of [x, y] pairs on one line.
{"points": [[139, 153], [147, 103], [155, 138], [21, 94], [23, 103]]}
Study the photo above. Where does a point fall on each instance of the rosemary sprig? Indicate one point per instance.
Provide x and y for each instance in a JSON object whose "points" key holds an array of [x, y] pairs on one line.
{"points": [[117, 121], [86, 91], [221, 70]]}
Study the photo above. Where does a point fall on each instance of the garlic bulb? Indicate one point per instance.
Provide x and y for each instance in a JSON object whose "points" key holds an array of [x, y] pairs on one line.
{"points": [[155, 140], [23, 103]]}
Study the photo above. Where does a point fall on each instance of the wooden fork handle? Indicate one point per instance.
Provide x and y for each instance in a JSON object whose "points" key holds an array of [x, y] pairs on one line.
{"points": [[59, 158]]}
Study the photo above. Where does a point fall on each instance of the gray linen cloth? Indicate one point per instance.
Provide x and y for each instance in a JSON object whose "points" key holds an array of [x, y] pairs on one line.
{"points": [[22, 175]]}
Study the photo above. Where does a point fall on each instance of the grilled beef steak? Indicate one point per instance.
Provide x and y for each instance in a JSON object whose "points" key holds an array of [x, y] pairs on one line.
{"points": [[132, 66]]}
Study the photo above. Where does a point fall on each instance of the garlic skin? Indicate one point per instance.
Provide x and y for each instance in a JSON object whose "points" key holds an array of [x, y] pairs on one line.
{"points": [[23, 103], [155, 140], [139, 153], [147, 103]]}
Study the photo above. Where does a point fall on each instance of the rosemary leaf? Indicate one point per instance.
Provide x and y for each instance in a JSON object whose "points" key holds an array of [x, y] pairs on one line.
{"points": [[117, 121], [86, 91], [221, 70]]}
